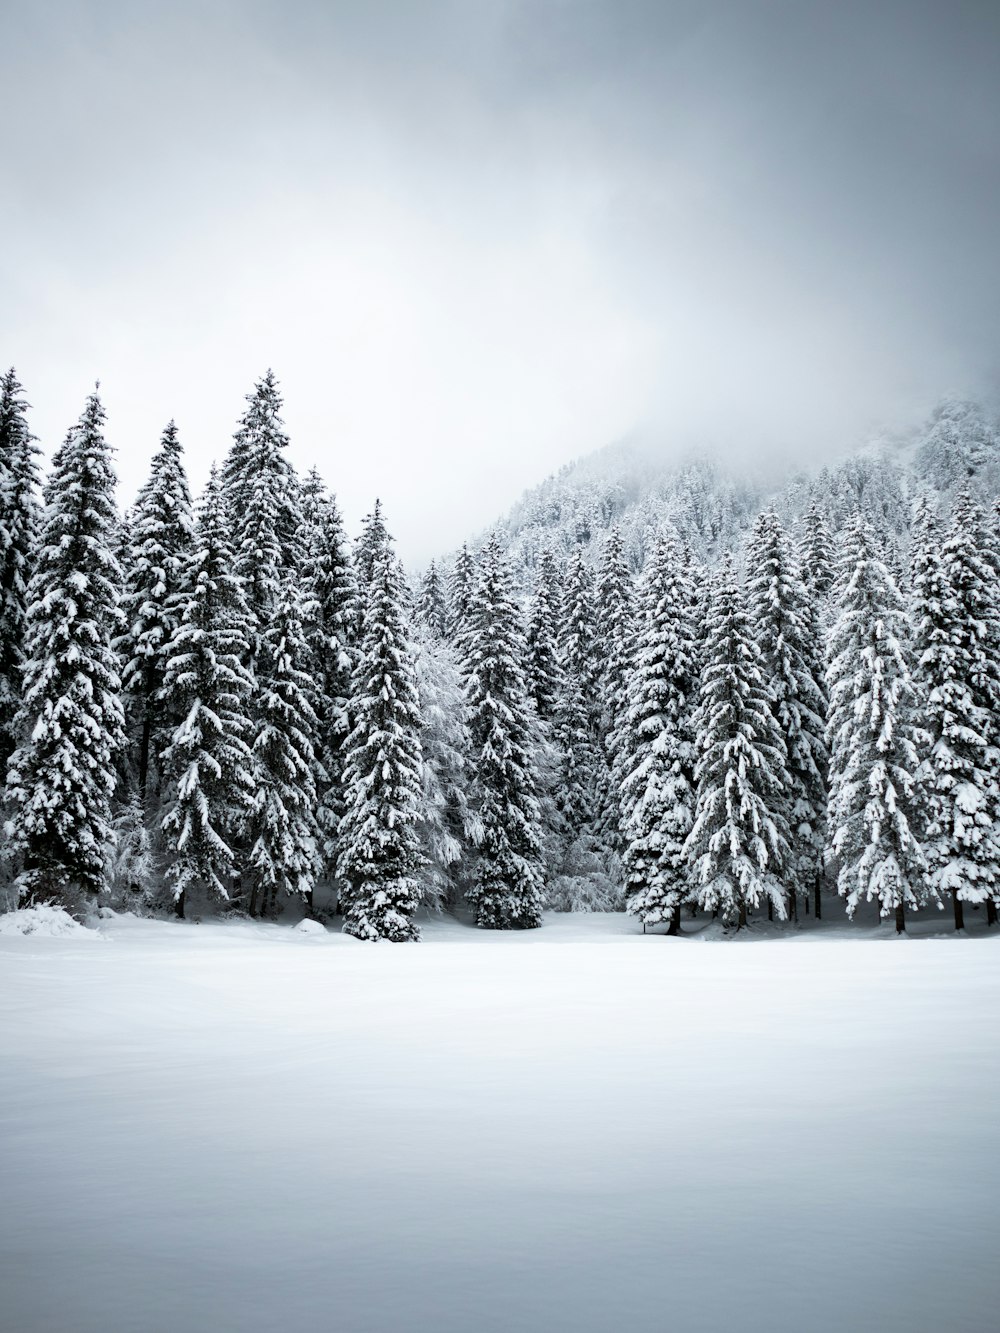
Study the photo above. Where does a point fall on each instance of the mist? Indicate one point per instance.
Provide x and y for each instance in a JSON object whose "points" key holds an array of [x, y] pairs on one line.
{"points": [[476, 242]]}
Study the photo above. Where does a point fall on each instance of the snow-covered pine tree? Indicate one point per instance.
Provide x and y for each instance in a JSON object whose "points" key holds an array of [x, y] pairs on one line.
{"points": [[579, 630], [379, 853], [543, 669], [654, 743], [957, 679], [282, 857], [871, 739], [615, 629], [368, 549], [263, 495], [62, 776], [739, 845], [460, 589], [432, 608], [19, 519], [328, 622], [788, 636], [507, 892], [816, 558], [161, 530], [207, 766]]}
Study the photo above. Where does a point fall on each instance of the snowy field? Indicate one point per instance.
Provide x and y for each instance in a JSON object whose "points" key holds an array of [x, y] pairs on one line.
{"points": [[246, 1127]]}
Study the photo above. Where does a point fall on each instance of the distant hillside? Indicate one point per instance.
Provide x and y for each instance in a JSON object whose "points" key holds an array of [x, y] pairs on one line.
{"points": [[711, 502]]}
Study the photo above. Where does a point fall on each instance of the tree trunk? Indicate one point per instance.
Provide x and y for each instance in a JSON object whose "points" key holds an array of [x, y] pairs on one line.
{"points": [[991, 912], [144, 756], [675, 921], [743, 916], [770, 910], [818, 904], [179, 903], [900, 920], [959, 911]]}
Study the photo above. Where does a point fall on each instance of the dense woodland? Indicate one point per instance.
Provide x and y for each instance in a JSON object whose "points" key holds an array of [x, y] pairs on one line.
{"points": [[659, 688]]}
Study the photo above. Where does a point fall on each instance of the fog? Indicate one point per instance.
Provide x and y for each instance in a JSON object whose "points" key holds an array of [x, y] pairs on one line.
{"points": [[478, 240]]}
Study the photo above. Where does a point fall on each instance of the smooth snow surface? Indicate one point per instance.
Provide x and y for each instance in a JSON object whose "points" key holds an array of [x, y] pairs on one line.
{"points": [[246, 1127]]}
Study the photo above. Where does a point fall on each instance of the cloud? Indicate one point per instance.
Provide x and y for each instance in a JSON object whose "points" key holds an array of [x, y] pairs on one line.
{"points": [[478, 240]]}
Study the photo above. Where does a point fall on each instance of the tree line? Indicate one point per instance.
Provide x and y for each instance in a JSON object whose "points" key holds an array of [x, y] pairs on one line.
{"points": [[229, 702]]}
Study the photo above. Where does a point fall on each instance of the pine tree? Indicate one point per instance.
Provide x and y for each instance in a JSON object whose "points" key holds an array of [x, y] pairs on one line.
{"points": [[579, 629], [739, 845], [61, 779], [789, 640], [616, 630], [207, 765], [263, 496], [957, 678], [507, 892], [460, 591], [543, 669], [19, 522], [655, 743], [283, 858], [328, 621], [816, 557], [379, 855], [432, 607], [870, 733], [161, 530]]}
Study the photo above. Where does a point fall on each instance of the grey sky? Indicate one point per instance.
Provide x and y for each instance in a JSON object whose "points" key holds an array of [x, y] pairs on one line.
{"points": [[476, 240]]}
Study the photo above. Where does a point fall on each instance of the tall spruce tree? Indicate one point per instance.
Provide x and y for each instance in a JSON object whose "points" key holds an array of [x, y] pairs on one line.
{"points": [[460, 590], [207, 766], [283, 858], [616, 629], [655, 743], [328, 622], [62, 776], [816, 557], [739, 845], [432, 607], [379, 853], [786, 630], [579, 630], [871, 737], [264, 500], [543, 668], [19, 521], [160, 534], [507, 890], [957, 678]]}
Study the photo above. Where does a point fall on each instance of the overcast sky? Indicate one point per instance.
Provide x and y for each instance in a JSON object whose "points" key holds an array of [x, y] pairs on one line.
{"points": [[478, 239]]}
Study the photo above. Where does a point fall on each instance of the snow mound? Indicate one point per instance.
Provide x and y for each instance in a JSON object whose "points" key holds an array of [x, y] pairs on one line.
{"points": [[307, 927], [42, 919]]}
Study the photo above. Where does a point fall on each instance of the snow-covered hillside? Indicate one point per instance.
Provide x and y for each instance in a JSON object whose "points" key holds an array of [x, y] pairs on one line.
{"points": [[248, 1127], [711, 495]]}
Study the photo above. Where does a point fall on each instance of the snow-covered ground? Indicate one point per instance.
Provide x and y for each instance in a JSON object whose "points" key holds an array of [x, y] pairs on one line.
{"points": [[250, 1127]]}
